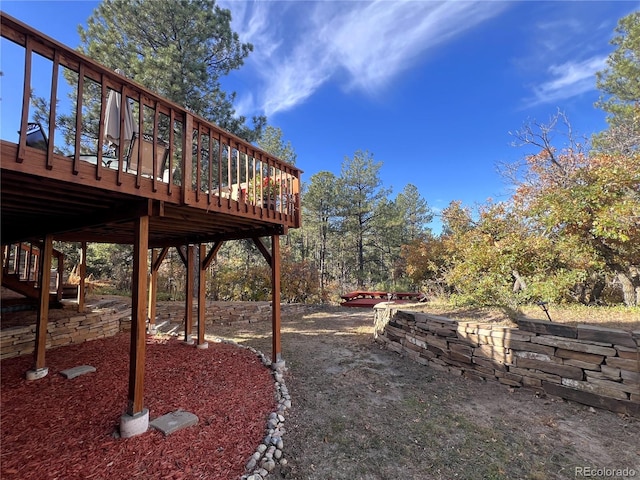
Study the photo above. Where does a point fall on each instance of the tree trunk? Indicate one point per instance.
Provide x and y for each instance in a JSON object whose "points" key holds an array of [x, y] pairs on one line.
{"points": [[323, 253], [360, 252], [629, 289], [519, 284], [596, 291]]}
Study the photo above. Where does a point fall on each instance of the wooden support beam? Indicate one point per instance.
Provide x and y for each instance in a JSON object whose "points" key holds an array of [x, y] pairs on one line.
{"points": [[212, 254], [59, 277], [182, 254], [202, 293], [120, 213], [156, 261], [153, 285], [138, 317], [276, 355], [3, 249], [44, 277], [161, 256], [188, 313], [263, 249], [82, 273]]}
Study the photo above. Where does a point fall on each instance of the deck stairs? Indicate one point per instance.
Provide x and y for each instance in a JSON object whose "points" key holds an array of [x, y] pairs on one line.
{"points": [[20, 265], [170, 327]]}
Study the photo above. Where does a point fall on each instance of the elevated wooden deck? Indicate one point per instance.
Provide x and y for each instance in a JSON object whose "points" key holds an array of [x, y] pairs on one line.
{"points": [[180, 181], [209, 184]]}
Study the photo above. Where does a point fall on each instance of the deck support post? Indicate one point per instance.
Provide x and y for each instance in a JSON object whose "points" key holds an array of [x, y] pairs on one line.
{"points": [[153, 285], [204, 260], [82, 273], [276, 355], [44, 279], [136, 420], [188, 314], [273, 259], [156, 261], [202, 295]]}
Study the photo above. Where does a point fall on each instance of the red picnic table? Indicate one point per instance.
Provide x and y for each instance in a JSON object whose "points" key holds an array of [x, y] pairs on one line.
{"points": [[360, 298], [363, 294]]}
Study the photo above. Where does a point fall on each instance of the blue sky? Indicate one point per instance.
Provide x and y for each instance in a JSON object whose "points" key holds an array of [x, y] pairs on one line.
{"points": [[431, 89]]}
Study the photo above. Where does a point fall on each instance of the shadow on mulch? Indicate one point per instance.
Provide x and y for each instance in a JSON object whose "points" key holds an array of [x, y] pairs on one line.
{"points": [[58, 428]]}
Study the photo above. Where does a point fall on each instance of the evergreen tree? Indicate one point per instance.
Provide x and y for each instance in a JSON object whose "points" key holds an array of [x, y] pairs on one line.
{"points": [[320, 209], [271, 141], [415, 213], [361, 196], [620, 85], [176, 49]]}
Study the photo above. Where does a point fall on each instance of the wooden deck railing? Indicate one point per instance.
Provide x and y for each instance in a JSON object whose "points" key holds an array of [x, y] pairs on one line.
{"points": [[182, 157]]}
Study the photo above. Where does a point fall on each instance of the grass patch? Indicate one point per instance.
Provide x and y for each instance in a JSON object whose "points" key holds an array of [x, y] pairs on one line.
{"points": [[477, 448], [619, 316]]}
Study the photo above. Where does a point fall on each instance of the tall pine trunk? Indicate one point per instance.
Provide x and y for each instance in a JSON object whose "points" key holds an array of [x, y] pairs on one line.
{"points": [[630, 289]]}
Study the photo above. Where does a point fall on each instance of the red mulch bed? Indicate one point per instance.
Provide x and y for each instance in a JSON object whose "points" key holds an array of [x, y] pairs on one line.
{"points": [[55, 428]]}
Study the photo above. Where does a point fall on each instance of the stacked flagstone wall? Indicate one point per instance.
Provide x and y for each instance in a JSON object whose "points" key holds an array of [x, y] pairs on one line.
{"points": [[66, 327], [224, 313], [587, 364]]}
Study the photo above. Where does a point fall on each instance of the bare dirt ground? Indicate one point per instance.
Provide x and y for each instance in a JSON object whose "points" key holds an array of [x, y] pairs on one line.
{"points": [[362, 412]]}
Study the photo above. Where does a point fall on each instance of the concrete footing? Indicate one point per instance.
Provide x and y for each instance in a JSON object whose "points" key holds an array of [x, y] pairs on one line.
{"points": [[279, 366], [132, 425], [38, 373], [202, 346]]}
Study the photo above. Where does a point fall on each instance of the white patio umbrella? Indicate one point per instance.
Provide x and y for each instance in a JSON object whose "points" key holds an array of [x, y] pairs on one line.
{"points": [[112, 120]]}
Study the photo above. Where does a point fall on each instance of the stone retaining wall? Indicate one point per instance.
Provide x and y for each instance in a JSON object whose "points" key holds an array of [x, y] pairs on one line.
{"points": [[66, 327], [225, 313], [587, 364]]}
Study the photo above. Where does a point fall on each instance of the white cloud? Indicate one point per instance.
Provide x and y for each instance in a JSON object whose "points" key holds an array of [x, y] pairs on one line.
{"points": [[568, 80], [299, 46], [379, 40], [567, 48]]}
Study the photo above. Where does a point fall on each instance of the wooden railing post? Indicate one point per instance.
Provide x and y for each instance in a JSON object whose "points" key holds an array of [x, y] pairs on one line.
{"points": [[187, 158]]}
